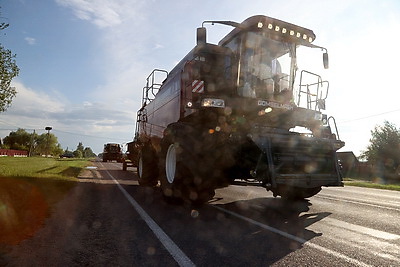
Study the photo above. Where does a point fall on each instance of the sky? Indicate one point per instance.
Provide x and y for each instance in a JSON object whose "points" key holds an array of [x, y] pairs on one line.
{"points": [[83, 63]]}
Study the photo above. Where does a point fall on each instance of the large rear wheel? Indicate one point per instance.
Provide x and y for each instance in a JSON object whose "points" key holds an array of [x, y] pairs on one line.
{"points": [[147, 166]]}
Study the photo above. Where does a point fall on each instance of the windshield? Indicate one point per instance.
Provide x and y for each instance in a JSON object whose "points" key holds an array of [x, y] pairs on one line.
{"points": [[264, 68]]}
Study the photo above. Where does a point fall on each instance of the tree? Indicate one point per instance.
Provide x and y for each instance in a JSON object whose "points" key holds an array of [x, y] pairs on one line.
{"points": [[57, 150], [88, 153], [79, 152], [20, 140], [48, 144], [82, 152], [34, 143], [8, 70], [384, 150]]}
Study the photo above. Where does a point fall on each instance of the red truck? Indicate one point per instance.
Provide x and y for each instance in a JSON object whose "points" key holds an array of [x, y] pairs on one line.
{"points": [[239, 109]]}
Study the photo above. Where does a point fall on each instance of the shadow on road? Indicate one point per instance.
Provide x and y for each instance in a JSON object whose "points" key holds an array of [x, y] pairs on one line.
{"points": [[240, 228], [287, 216]]}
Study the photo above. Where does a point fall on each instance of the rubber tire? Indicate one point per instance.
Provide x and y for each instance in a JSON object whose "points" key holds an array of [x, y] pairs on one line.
{"points": [[147, 169], [124, 166], [309, 192], [170, 176], [176, 177], [295, 193]]}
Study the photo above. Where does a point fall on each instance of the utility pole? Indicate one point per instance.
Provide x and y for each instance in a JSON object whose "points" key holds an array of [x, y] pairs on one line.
{"points": [[48, 129], [31, 146]]}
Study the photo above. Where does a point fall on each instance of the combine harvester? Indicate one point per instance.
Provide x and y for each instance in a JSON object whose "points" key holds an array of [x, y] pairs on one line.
{"points": [[240, 109]]}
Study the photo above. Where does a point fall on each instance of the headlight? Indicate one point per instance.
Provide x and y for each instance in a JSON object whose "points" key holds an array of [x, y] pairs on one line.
{"points": [[213, 102], [324, 119], [285, 28], [318, 116]]}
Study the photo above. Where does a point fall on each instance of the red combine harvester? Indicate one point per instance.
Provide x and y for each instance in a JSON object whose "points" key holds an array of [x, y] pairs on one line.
{"points": [[112, 152], [238, 110]]}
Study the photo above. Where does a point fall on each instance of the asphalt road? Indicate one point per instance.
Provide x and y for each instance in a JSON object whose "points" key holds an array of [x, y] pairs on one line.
{"points": [[108, 220]]}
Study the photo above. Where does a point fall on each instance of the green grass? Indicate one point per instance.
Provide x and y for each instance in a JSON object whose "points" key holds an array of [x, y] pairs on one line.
{"points": [[37, 167], [371, 184], [29, 190]]}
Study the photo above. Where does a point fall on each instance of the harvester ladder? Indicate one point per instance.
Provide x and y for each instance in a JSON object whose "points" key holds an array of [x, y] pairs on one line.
{"points": [[153, 83], [315, 96], [334, 124]]}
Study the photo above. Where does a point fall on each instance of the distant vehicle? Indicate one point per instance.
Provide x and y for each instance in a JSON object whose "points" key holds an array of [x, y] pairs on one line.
{"points": [[112, 152], [131, 157], [237, 110], [67, 155]]}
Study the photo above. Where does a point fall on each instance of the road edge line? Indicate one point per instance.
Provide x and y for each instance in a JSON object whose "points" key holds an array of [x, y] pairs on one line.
{"points": [[178, 255]]}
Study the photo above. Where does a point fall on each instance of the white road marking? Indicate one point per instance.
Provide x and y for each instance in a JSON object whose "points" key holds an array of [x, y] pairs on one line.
{"points": [[172, 248], [357, 202], [295, 238], [91, 168], [381, 249], [361, 229]]}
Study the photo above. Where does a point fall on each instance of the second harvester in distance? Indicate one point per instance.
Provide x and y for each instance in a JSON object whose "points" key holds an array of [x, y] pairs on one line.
{"points": [[112, 152]]}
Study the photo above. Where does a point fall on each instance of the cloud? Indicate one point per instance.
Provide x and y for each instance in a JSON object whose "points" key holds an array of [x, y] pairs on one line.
{"points": [[158, 46], [101, 13], [123, 38], [30, 40], [33, 103]]}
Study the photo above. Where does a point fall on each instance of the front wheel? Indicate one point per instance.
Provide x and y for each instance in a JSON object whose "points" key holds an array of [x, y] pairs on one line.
{"points": [[293, 193], [171, 178], [177, 178]]}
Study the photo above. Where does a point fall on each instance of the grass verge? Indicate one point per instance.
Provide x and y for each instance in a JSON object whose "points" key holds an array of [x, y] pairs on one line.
{"points": [[36, 167], [371, 184], [29, 190]]}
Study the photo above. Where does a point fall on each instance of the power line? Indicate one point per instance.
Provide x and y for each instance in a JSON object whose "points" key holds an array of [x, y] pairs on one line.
{"points": [[370, 116], [12, 125], [16, 127], [87, 135], [13, 129]]}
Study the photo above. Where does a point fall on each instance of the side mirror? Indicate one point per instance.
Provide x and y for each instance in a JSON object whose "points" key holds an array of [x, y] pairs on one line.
{"points": [[326, 60], [321, 104], [201, 36]]}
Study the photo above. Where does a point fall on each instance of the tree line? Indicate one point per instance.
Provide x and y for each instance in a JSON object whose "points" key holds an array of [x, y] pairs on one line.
{"points": [[43, 144]]}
